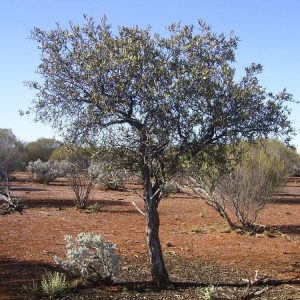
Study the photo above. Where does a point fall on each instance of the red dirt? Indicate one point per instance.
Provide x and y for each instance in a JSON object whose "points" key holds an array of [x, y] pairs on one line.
{"points": [[189, 229]]}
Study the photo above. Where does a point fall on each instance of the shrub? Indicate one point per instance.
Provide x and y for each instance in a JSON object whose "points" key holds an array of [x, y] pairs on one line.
{"points": [[81, 184], [171, 187], [295, 170], [32, 290], [53, 284], [8, 204], [90, 258], [43, 172], [108, 175], [210, 293], [245, 189]]}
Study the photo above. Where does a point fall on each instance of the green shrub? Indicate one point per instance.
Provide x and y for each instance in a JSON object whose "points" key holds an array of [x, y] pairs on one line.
{"points": [[243, 188], [210, 293], [53, 284]]}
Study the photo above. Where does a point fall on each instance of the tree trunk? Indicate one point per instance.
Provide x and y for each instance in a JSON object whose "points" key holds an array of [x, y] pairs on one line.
{"points": [[158, 270], [224, 215]]}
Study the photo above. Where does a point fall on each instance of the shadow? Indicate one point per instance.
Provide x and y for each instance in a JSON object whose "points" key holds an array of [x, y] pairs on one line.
{"points": [[49, 203], [287, 200], [26, 189], [149, 286], [287, 195], [67, 203], [121, 212], [108, 202], [14, 274], [291, 229], [59, 183]]}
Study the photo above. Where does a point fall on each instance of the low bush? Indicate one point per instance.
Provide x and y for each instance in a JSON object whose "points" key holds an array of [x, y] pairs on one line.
{"points": [[171, 187], [108, 175], [53, 284], [244, 190], [43, 172], [247, 189], [90, 258], [81, 184]]}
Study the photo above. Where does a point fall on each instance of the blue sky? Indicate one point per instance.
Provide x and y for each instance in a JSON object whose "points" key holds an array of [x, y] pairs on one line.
{"points": [[269, 32]]}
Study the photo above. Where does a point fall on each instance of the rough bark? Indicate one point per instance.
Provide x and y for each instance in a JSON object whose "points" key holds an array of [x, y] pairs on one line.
{"points": [[158, 270]]}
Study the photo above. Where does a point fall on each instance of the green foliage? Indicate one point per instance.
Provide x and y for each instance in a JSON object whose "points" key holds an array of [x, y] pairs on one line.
{"points": [[176, 91], [74, 154], [246, 184], [209, 293], [53, 284], [247, 189], [41, 149], [12, 155], [164, 98], [290, 156], [94, 208]]}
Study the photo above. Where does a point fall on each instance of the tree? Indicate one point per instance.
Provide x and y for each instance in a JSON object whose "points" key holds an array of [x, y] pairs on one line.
{"points": [[166, 98], [244, 189], [41, 149], [11, 153], [11, 159]]}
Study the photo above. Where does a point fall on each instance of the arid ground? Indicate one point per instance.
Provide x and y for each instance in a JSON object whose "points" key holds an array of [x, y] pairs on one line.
{"points": [[198, 247]]}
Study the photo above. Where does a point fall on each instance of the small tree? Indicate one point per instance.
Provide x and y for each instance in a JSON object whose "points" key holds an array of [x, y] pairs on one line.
{"points": [[11, 153], [82, 184], [246, 188], [165, 98]]}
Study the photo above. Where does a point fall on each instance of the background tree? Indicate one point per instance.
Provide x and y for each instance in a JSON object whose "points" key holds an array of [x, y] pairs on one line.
{"points": [[11, 159], [11, 153], [163, 97], [41, 149]]}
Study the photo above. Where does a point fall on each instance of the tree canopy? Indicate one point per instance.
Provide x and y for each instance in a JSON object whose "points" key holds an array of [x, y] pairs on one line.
{"points": [[164, 97], [42, 148], [11, 153]]}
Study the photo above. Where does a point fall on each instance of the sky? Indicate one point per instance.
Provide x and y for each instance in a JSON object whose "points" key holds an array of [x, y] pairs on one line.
{"points": [[269, 33]]}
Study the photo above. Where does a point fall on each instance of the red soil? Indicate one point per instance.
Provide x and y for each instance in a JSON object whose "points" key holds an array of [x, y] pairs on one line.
{"points": [[28, 242]]}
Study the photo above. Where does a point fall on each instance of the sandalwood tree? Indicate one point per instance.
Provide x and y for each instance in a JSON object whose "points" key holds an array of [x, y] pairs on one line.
{"points": [[164, 97]]}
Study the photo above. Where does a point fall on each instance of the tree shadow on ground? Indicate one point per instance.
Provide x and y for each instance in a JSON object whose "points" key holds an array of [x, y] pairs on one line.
{"points": [[26, 189], [108, 206], [49, 203], [14, 274], [286, 200], [58, 182], [290, 229]]}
